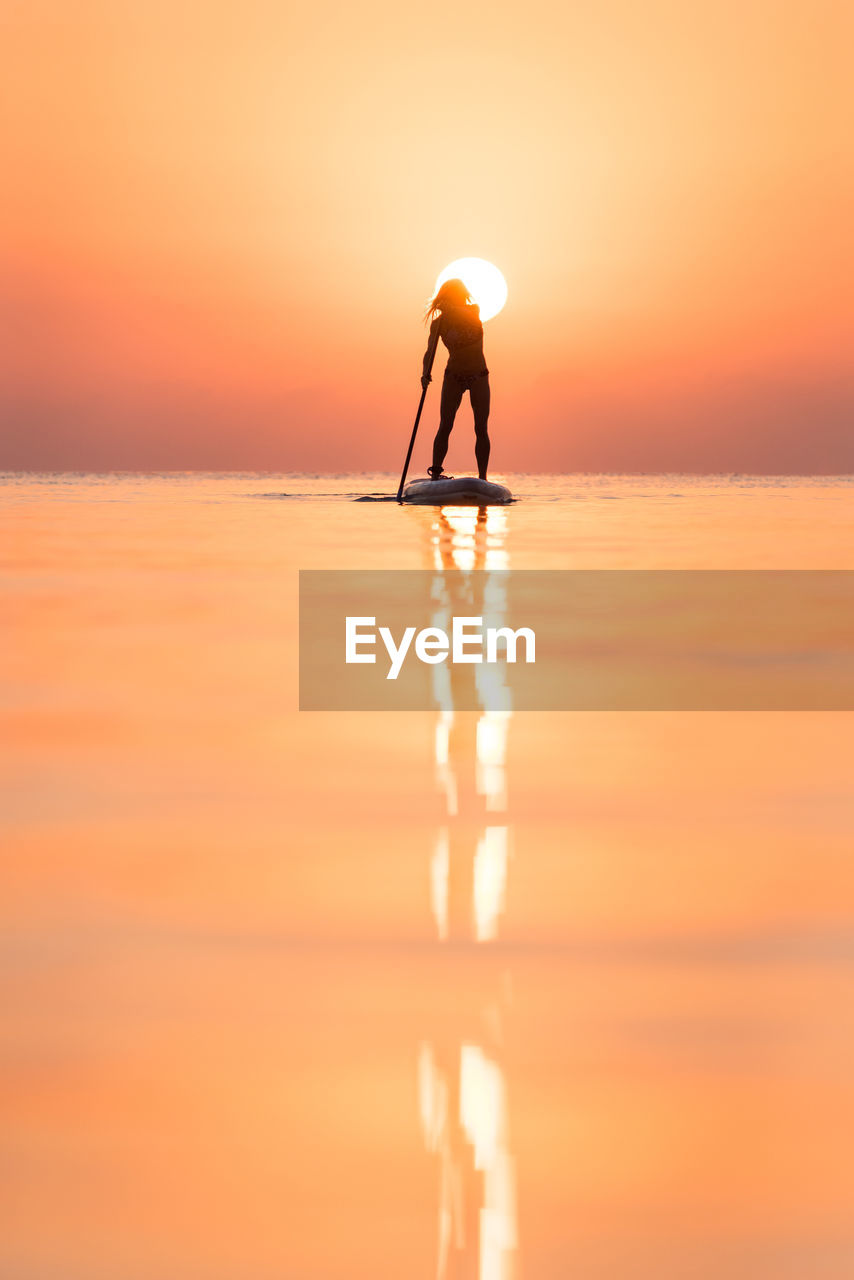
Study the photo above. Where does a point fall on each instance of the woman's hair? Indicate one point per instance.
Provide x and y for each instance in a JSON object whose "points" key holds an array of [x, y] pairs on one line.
{"points": [[453, 293]]}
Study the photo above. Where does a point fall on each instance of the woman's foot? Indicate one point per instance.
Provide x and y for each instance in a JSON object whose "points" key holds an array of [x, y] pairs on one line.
{"points": [[436, 473]]}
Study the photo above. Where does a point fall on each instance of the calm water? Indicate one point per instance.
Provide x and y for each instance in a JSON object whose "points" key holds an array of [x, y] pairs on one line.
{"points": [[408, 995]]}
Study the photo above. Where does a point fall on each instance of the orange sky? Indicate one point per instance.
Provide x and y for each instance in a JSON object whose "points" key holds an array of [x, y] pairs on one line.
{"points": [[225, 218]]}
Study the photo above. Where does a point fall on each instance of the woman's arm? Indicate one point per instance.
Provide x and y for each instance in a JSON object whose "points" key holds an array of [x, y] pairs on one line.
{"points": [[432, 343]]}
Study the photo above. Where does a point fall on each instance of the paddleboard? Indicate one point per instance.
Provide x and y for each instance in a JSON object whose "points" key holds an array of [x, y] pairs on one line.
{"points": [[463, 491]]}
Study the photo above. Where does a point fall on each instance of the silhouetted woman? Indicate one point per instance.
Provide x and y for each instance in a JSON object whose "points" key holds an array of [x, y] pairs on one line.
{"points": [[457, 320]]}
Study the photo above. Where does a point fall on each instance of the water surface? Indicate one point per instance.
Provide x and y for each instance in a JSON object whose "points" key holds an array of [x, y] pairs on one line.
{"points": [[364, 995]]}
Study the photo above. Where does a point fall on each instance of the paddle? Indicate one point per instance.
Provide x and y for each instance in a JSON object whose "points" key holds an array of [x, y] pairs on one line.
{"points": [[431, 356]]}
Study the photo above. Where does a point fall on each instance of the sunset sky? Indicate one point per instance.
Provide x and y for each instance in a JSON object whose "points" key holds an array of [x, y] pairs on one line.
{"points": [[221, 222]]}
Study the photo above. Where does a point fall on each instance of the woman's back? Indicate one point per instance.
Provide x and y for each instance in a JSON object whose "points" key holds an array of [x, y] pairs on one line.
{"points": [[462, 333]]}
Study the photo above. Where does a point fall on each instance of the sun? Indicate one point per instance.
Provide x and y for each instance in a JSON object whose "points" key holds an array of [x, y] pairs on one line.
{"points": [[484, 282]]}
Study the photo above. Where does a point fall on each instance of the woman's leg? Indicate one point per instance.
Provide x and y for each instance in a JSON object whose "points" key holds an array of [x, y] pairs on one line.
{"points": [[452, 394], [480, 407]]}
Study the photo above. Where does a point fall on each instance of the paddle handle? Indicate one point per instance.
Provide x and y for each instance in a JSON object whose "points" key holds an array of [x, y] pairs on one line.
{"points": [[428, 369]]}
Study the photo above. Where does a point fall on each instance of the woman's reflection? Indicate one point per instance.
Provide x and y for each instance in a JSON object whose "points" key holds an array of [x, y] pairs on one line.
{"points": [[462, 1084]]}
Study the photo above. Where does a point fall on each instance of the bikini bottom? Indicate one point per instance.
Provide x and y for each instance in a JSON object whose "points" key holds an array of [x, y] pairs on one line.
{"points": [[466, 381]]}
